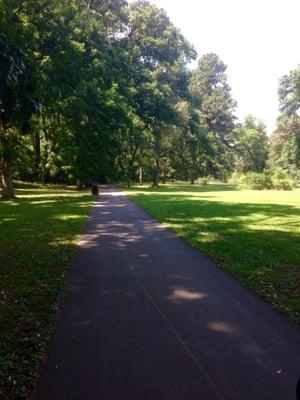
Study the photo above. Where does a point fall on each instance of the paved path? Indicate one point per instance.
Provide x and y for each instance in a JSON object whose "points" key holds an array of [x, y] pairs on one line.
{"points": [[146, 317]]}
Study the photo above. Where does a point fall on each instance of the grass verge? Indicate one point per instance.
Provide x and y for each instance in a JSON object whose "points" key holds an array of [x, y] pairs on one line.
{"points": [[38, 230], [254, 235]]}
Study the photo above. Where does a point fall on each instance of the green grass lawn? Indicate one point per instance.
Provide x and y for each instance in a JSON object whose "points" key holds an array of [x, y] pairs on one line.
{"points": [[254, 235], [37, 239]]}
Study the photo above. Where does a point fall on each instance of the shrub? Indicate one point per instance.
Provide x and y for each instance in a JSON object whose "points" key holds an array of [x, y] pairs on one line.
{"points": [[258, 181], [294, 174], [204, 181], [281, 180], [236, 178]]}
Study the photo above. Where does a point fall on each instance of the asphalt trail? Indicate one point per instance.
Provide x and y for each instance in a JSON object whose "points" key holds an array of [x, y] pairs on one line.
{"points": [[146, 317]]}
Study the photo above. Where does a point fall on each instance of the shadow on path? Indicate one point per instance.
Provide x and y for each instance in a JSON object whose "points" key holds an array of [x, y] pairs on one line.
{"points": [[147, 317]]}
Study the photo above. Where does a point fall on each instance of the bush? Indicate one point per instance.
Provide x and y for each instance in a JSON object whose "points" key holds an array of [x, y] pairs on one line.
{"points": [[236, 178], [258, 181], [281, 180], [278, 180], [294, 175], [204, 181]]}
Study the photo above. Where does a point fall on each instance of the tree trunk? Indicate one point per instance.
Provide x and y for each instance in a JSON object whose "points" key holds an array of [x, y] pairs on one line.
{"points": [[128, 181], [45, 178], [184, 174], [193, 174], [6, 165], [7, 181], [223, 178], [37, 159], [155, 173], [141, 175], [79, 185], [156, 163]]}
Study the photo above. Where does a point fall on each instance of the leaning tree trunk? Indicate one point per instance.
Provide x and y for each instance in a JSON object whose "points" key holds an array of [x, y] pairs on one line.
{"points": [[6, 165]]}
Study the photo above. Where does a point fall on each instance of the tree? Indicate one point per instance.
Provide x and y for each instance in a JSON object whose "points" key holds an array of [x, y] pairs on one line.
{"points": [[17, 82], [64, 61], [195, 143], [209, 82], [134, 138], [92, 90], [159, 53], [285, 141], [252, 145], [212, 95], [289, 92], [285, 145]]}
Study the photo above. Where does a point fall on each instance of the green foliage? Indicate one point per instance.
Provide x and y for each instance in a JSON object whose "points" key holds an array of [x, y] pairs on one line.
{"points": [[285, 141], [211, 95], [285, 146], [209, 84], [74, 58], [278, 179], [160, 54], [252, 145], [289, 92], [102, 88], [203, 181], [258, 181], [281, 180]]}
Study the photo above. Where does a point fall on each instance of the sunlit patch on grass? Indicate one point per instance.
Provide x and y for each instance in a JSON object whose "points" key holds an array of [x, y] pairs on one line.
{"points": [[67, 217], [62, 242], [47, 195], [43, 202]]}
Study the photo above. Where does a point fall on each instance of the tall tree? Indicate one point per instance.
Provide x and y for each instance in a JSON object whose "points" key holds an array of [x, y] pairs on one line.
{"points": [[17, 81], [289, 92], [285, 141], [195, 142], [64, 60], [160, 54], [210, 90]]}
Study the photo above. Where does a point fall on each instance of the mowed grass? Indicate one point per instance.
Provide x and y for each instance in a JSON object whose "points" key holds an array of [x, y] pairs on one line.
{"points": [[37, 239], [254, 235]]}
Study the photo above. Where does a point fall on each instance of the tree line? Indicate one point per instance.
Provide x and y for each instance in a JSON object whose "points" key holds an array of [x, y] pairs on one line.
{"points": [[100, 90]]}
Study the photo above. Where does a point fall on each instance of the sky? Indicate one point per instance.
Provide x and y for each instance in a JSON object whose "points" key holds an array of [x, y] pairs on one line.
{"points": [[258, 40]]}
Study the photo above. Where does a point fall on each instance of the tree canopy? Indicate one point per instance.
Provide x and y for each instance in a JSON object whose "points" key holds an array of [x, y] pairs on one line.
{"points": [[285, 141], [97, 91]]}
